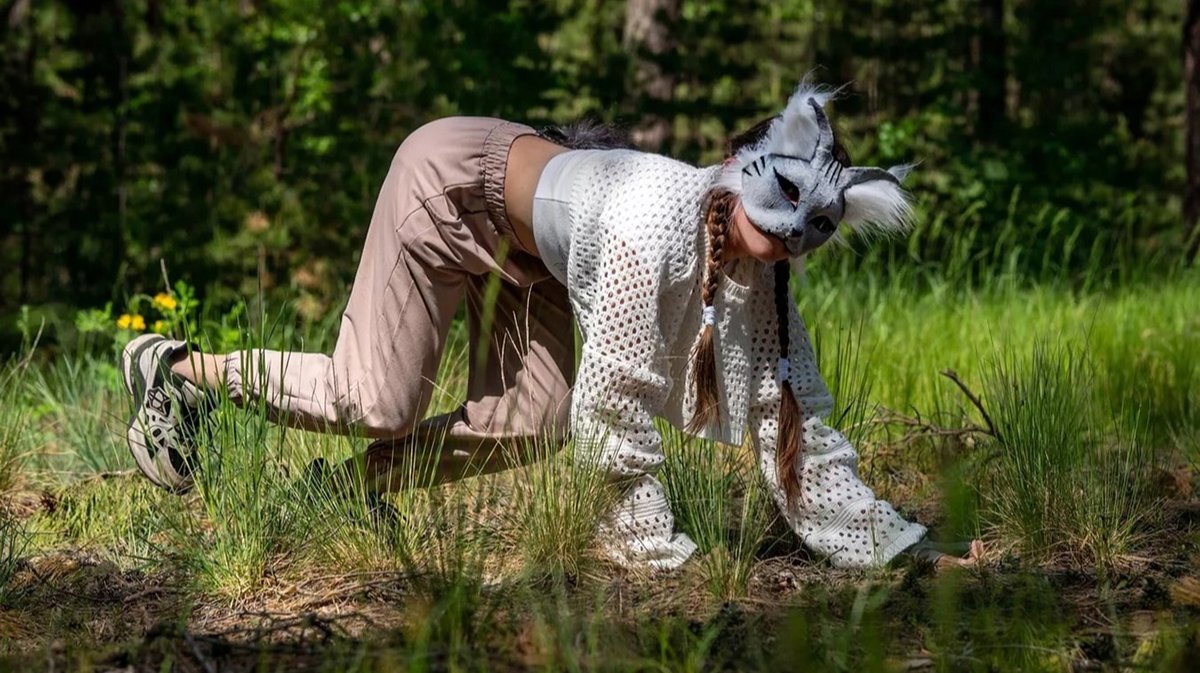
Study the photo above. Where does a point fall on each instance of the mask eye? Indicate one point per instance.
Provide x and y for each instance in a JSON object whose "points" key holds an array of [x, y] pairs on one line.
{"points": [[822, 224], [790, 190]]}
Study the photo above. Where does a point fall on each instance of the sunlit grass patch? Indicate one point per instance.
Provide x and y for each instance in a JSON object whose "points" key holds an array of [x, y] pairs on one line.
{"points": [[1060, 486], [1146, 347], [16, 425], [719, 499], [123, 518], [80, 403], [555, 506]]}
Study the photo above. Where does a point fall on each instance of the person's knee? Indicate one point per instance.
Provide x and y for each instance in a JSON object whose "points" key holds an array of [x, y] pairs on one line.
{"points": [[552, 427], [427, 140]]}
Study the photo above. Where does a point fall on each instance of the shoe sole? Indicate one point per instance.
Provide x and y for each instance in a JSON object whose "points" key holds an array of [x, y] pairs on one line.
{"points": [[136, 385]]}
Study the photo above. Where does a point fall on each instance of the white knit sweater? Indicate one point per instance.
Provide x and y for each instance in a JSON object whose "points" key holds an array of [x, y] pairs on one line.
{"points": [[637, 251]]}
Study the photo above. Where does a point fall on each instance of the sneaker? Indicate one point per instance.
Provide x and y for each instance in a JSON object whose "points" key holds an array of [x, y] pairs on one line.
{"points": [[167, 410]]}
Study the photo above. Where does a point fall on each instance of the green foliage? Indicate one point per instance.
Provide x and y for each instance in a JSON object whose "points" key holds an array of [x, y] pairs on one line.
{"points": [[243, 143]]}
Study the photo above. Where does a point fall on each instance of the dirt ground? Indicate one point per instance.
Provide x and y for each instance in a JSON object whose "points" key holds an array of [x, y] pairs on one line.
{"points": [[73, 611]]}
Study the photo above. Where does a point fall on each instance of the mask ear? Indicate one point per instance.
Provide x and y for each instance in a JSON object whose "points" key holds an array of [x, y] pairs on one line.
{"points": [[875, 201], [796, 130]]}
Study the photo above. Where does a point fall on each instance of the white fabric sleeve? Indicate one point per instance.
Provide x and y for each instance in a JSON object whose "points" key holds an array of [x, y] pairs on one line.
{"points": [[835, 514], [623, 382]]}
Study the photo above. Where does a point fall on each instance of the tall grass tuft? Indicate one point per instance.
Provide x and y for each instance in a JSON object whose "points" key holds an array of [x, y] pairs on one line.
{"points": [[340, 527], [845, 364], [718, 499], [557, 502], [1060, 487], [81, 398], [16, 425], [249, 504]]}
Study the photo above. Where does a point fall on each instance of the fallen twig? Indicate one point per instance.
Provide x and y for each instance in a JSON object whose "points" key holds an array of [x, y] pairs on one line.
{"points": [[975, 400], [919, 427]]}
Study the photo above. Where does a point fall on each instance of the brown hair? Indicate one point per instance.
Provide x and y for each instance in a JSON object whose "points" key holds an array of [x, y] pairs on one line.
{"points": [[717, 220], [790, 441]]}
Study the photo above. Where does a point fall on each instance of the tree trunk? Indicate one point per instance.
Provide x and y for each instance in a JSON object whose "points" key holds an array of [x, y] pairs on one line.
{"points": [[993, 69], [648, 37], [1191, 76]]}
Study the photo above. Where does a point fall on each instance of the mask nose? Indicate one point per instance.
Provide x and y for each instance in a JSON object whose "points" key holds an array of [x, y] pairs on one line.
{"points": [[796, 231]]}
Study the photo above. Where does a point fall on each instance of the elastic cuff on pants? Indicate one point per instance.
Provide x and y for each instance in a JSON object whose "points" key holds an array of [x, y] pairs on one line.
{"points": [[495, 161], [233, 377]]}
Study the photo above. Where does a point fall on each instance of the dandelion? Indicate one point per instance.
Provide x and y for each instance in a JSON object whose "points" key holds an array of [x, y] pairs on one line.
{"points": [[165, 302], [134, 322], [160, 326]]}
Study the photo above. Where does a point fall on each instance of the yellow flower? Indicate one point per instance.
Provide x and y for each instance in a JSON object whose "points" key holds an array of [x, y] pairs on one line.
{"points": [[124, 321], [137, 322], [160, 326], [165, 302]]}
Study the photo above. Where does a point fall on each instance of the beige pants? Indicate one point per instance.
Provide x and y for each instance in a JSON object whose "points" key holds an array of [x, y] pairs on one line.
{"points": [[439, 235]]}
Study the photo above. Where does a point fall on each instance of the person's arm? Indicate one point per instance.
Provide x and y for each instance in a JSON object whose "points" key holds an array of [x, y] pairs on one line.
{"points": [[623, 382], [835, 514]]}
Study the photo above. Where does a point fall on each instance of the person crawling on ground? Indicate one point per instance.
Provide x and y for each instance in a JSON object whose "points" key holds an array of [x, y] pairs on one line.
{"points": [[677, 277]]}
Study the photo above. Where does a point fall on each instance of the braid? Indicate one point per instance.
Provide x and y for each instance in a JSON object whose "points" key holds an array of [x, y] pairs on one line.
{"points": [[717, 225], [790, 440], [717, 220], [704, 361]]}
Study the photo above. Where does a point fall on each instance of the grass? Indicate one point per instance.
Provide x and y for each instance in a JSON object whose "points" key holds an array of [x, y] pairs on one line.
{"points": [[1090, 386], [556, 506], [718, 498], [16, 423], [1061, 484]]}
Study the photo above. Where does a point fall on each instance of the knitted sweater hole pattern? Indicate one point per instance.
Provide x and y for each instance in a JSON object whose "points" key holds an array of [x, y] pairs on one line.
{"points": [[637, 254]]}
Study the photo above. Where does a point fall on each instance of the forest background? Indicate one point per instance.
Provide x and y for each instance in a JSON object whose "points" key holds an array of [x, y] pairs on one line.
{"points": [[242, 143]]}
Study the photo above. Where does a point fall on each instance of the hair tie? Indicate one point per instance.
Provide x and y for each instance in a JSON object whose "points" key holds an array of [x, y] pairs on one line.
{"points": [[783, 370], [710, 315]]}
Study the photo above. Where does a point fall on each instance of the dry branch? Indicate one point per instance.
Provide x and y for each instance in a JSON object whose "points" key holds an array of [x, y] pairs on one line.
{"points": [[975, 400]]}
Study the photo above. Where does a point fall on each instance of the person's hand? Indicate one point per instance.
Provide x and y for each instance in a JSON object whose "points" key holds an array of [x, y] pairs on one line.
{"points": [[973, 558]]}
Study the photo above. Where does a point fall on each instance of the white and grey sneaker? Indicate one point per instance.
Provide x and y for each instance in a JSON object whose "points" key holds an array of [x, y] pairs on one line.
{"points": [[167, 410]]}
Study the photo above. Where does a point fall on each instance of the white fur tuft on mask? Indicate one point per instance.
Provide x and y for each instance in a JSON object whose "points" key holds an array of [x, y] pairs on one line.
{"points": [[795, 132], [879, 206]]}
